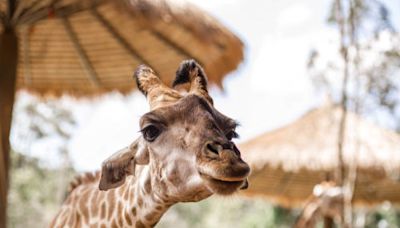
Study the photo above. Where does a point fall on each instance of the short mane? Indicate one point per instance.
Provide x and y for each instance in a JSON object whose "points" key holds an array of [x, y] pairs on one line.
{"points": [[83, 178]]}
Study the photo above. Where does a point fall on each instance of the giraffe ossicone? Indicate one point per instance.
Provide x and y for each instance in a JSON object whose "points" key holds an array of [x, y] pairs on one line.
{"points": [[185, 154]]}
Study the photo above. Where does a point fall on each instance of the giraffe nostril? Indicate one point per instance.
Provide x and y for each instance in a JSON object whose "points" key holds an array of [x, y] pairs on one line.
{"points": [[212, 147]]}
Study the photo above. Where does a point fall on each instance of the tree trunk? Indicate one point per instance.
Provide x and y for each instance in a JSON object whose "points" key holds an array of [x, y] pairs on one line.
{"points": [[8, 71]]}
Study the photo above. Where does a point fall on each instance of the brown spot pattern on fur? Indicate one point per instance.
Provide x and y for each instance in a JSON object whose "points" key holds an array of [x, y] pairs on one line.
{"points": [[139, 224], [147, 186], [103, 210], [149, 217], [114, 224], [78, 221], [93, 200], [128, 218], [119, 214], [140, 202]]}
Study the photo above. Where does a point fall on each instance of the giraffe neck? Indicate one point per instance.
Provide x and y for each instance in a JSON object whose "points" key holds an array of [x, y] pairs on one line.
{"points": [[137, 203], [140, 202], [147, 204], [158, 186]]}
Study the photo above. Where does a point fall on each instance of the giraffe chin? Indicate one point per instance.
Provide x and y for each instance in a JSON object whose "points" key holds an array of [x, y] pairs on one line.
{"points": [[222, 187]]}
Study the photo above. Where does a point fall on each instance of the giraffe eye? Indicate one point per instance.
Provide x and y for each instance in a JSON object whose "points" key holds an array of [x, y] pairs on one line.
{"points": [[150, 133], [231, 135]]}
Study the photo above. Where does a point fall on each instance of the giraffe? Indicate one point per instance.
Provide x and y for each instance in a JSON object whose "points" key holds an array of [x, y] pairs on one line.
{"points": [[185, 154], [326, 201]]}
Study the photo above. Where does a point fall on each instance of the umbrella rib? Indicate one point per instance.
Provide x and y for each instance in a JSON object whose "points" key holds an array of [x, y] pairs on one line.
{"points": [[27, 60], [21, 9], [11, 5], [43, 13], [118, 37], [174, 45], [87, 66]]}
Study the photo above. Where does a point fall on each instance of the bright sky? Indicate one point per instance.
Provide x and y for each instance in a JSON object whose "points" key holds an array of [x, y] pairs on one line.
{"points": [[270, 89]]}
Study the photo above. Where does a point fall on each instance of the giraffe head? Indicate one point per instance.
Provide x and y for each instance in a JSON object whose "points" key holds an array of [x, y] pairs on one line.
{"points": [[186, 143]]}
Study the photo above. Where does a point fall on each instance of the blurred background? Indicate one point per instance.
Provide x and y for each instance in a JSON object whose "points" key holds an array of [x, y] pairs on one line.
{"points": [[296, 69]]}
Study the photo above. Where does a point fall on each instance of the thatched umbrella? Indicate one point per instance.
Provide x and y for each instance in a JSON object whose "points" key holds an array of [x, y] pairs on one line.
{"points": [[288, 162], [87, 47]]}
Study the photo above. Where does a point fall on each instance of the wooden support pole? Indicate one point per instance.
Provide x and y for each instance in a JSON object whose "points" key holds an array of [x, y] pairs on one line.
{"points": [[2, 18], [8, 71]]}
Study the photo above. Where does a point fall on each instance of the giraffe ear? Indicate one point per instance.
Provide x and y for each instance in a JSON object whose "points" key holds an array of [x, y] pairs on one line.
{"points": [[121, 164], [146, 79], [191, 74]]}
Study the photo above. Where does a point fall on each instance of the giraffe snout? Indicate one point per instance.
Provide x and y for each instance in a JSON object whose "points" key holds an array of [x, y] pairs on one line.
{"points": [[225, 161], [217, 148]]}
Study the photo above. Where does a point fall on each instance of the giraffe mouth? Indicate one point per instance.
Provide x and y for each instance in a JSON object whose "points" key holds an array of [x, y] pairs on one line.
{"points": [[224, 186]]}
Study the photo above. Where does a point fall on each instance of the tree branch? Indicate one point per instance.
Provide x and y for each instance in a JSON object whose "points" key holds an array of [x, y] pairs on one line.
{"points": [[340, 172]]}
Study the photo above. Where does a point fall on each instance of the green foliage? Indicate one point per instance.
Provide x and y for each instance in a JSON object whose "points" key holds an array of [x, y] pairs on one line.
{"points": [[385, 216], [228, 212], [36, 193]]}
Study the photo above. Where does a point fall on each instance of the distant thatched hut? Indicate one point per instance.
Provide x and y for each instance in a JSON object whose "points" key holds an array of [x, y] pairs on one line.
{"points": [[288, 162]]}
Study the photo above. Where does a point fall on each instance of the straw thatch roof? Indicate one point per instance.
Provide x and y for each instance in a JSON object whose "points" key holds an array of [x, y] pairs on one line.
{"points": [[87, 47], [289, 161]]}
